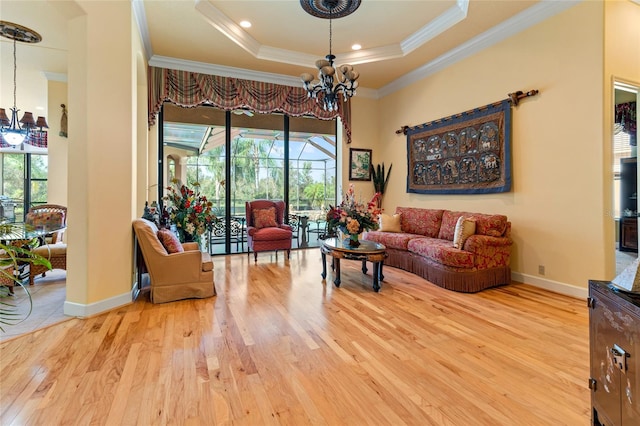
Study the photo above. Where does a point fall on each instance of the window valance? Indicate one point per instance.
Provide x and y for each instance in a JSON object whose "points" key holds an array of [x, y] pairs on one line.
{"points": [[190, 89]]}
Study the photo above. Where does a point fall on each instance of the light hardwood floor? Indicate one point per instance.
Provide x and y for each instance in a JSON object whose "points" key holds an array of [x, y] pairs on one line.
{"points": [[280, 346], [48, 295]]}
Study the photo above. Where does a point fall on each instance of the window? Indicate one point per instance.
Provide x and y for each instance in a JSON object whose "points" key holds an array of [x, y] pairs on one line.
{"points": [[24, 183], [258, 156], [39, 168]]}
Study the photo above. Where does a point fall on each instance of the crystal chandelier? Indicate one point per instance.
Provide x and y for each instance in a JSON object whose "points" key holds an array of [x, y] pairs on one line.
{"points": [[11, 130], [331, 83]]}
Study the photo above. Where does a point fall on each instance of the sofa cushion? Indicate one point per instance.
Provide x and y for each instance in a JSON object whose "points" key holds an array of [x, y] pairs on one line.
{"points": [[49, 251], [393, 240], [390, 223], [449, 221], [169, 241], [465, 227], [419, 221], [493, 225], [441, 251]]}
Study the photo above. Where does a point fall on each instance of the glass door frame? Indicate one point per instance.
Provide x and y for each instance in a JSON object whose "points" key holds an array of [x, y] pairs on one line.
{"points": [[228, 118]]}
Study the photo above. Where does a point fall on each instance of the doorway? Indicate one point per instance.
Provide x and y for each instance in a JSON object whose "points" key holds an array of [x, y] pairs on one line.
{"points": [[625, 170]]}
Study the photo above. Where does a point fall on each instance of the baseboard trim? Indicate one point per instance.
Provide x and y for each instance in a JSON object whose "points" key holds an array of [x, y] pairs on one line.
{"points": [[555, 286], [82, 311]]}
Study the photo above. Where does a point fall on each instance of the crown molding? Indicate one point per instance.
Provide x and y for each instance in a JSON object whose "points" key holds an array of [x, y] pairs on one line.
{"points": [[440, 24], [282, 55], [235, 33], [364, 56], [226, 26], [533, 15], [141, 19], [525, 19]]}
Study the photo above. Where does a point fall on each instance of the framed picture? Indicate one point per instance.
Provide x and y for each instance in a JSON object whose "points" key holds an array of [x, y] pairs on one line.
{"points": [[359, 164]]}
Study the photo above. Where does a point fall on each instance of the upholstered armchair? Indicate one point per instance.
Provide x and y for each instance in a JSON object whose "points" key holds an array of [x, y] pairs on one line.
{"points": [[49, 216], [266, 230], [176, 270]]}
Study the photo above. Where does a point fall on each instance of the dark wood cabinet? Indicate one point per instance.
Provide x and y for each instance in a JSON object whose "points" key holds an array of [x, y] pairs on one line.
{"points": [[629, 234], [614, 343], [628, 204]]}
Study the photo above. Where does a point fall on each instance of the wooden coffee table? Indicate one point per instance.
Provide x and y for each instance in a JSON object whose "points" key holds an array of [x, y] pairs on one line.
{"points": [[368, 251]]}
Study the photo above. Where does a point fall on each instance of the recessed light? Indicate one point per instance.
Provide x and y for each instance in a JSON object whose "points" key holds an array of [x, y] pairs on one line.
{"points": [[245, 24], [356, 47]]}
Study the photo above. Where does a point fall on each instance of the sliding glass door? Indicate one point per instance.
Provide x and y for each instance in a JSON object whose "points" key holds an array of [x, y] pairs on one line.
{"points": [[24, 183], [241, 156]]}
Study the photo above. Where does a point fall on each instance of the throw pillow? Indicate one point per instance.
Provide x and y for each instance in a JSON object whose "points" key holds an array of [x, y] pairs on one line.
{"points": [[264, 218], [465, 227], [170, 241], [390, 223]]}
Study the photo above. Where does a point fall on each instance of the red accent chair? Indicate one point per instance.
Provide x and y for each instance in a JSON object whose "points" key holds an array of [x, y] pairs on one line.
{"points": [[265, 236]]}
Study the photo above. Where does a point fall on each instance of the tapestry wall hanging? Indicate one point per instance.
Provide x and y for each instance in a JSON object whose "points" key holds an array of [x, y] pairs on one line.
{"points": [[468, 153]]}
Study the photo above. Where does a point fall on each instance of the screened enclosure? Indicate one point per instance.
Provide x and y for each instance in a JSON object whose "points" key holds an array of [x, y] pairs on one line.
{"points": [[241, 156]]}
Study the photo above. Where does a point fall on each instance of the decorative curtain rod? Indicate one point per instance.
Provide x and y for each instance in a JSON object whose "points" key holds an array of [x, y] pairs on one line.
{"points": [[514, 99]]}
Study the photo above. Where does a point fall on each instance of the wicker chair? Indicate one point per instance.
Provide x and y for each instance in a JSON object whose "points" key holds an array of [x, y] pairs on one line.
{"points": [[49, 215], [56, 254]]}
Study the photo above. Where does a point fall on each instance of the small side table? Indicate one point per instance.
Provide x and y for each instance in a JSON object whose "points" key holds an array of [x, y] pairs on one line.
{"points": [[367, 251]]}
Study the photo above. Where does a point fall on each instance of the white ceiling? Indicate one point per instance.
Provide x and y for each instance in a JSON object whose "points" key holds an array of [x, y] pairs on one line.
{"points": [[401, 39]]}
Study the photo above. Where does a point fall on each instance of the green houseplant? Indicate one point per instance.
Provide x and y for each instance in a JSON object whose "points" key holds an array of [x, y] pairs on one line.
{"points": [[380, 180], [12, 257]]}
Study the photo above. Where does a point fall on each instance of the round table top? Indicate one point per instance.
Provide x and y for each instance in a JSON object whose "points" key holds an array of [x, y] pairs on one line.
{"points": [[364, 247]]}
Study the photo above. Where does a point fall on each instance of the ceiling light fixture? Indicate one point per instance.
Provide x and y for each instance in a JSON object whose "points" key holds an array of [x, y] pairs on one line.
{"points": [[327, 73], [11, 131]]}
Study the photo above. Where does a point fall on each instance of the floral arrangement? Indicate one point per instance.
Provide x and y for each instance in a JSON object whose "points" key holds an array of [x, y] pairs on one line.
{"points": [[189, 211], [353, 218]]}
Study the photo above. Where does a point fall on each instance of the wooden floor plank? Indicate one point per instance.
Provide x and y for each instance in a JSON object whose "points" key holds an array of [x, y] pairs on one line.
{"points": [[280, 345]]}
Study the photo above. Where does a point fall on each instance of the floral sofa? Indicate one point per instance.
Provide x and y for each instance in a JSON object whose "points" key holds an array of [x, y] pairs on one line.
{"points": [[424, 245]]}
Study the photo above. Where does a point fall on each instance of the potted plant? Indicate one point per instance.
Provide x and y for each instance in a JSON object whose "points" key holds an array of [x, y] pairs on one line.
{"points": [[13, 257], [352, 217], [189, 210], [380, 180]]}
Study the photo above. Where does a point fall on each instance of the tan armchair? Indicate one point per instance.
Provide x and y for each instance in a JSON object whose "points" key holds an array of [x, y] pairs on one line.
{"points": [[174, 276]]}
